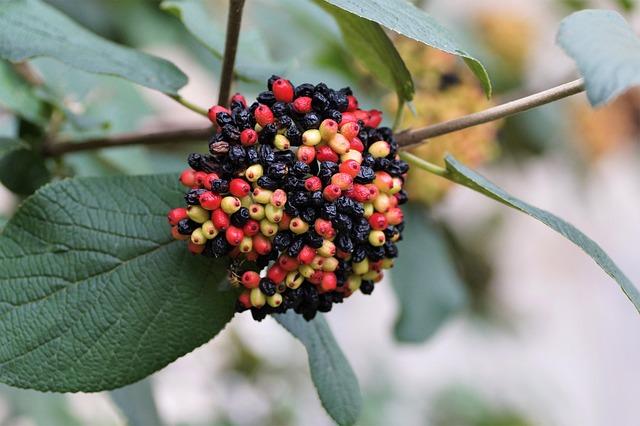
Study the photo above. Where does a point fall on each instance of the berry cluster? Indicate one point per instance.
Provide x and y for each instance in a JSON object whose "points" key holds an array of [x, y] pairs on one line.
{"points": [[301, 191]]}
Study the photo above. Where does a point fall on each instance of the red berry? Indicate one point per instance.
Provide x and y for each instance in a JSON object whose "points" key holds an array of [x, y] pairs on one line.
{"points": [[378, 221], [176, 215], [263, 115], [251, 279], [325, 153], [306, 154], [356, 144], [375, 118], [353, 103], [288, 263], [342, 181], [239, 98], [177, 235], [214, 110], [245, 299], [251, 228], [239, 187], [261, 244], [313, 184], [329, 281], [276, 273], [282, 90], [210, 178], [302, 105], [394, 216], [331, 192], [350, 167], [350, 130], [316, 277], [349, 117], [188, 178], [200, 178], [306, 255], [234, 235], [209, 200], [248, 137], [359, 193], [324, 228], [220, 219], [195, 248]]}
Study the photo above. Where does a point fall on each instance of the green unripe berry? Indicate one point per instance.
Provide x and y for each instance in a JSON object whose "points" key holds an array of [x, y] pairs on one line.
{"points": [[258, 298], [256, 212], [198, 214], [377, 238], [275, 300], [311, 137], [230, 205]]}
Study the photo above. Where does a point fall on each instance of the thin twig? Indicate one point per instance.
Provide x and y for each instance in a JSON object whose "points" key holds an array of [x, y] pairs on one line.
{"points": [[414, 137], [195, 134], [234, 21], [193, 107]]}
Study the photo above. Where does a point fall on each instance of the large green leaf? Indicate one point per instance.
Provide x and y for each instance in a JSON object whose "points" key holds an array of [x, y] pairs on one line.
{"points": [[606, 50], [17, 96], [331, 373], [368, 42], [252, 60], [406, 19], [22, 170], [467, 177], [94, 293], [425, 279], [136, 404], [31, 28]]}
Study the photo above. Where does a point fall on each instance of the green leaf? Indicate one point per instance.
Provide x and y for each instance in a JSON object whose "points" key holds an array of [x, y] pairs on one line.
{"points": [[331, 373], [136, 404], [406, 19], [368, 41], [94, 292], [18, 96], [606, 50], [467, 177], [252, 60], [22, 170], [31, 28], [425, 279]]}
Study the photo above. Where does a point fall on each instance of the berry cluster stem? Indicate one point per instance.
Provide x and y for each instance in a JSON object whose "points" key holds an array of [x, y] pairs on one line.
{"points": [[418, 162], [234, 22], [193, 107]]}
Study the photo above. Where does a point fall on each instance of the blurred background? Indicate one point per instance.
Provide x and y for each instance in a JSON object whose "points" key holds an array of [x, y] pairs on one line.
{"points": [[506, 323]]}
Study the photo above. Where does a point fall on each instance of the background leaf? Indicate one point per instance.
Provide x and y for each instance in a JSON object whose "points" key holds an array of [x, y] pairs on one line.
{"points": [[31, 28], [369, 43], [331, 373], [136, 404], [406, 19], [17, 96], [36, 408], [22, 170], [94, 293], [606, 50], [252, 61], [467, 177], [425, 279]]}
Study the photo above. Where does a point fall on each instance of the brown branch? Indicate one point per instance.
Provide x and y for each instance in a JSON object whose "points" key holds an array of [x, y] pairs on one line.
{"points": [[414, 137], [234, 20], [55, 149]]}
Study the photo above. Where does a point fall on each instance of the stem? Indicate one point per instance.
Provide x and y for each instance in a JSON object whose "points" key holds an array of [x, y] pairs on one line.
{"points": [[424, 165], [234, 20], [415, 137], [153, 138], [193, 107]]}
